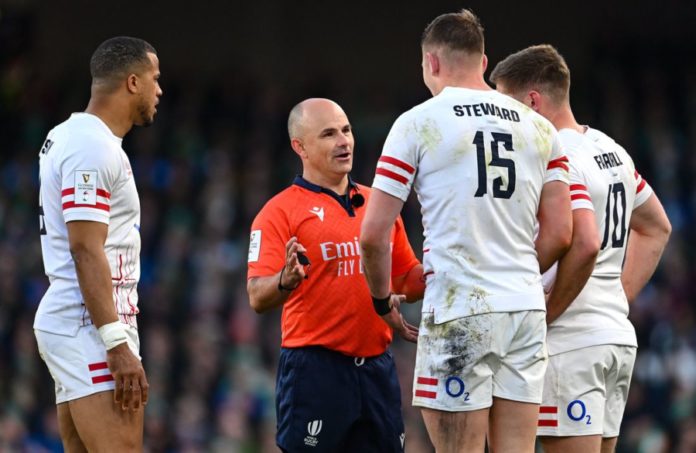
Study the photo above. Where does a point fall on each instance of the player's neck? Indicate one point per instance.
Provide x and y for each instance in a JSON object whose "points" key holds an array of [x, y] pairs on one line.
{"points": [[111, 113], [331, 182], [470, 81], [564, 119]]}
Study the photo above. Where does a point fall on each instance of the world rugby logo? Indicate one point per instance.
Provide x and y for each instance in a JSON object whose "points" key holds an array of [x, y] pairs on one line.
{"points": [[313, 428]]}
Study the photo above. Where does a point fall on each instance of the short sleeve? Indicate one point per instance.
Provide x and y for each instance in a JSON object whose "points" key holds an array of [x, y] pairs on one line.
{"points": [[88, 177], [557, 168], [396, 168], [403, 257], [579, 195], [269, 235], [643, 190]]}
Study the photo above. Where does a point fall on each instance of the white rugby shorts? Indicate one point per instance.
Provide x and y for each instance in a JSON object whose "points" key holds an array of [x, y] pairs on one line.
{"points": [[78, 363], [585, 391], [462, 364]]}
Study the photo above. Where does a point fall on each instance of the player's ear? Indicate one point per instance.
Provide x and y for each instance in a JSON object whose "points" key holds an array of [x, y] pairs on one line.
{"points": [[298, 147], [534, 100], [433, 63], [132, 83], [484, 63]]}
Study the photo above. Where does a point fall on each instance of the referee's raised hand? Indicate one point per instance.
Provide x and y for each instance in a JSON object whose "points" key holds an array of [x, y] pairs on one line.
{"points": [[294, 271]]}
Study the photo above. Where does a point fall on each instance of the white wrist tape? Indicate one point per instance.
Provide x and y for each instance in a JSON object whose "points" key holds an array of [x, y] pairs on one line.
{"points": [[113, 334]]}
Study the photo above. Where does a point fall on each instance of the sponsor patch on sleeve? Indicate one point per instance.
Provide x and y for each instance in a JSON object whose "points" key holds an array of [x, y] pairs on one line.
{"points": [[254, 246], [86, 187]]}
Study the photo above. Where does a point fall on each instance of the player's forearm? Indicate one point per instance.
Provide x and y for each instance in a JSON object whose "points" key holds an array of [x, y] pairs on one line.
{"points": [[574, 269], [642, 255], [94, 278], [376, 259], [550, 247], [411, 284], [264, 293], [555, 224]]}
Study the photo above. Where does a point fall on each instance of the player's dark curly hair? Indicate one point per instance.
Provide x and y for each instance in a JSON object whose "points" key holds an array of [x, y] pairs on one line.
{"points": [[117, 57]]}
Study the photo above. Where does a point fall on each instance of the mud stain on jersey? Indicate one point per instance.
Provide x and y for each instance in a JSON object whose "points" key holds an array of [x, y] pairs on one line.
{"points": [[451, 295], [460, 253], [477, 301], [429, 135], [542, 140], [519, 141]]}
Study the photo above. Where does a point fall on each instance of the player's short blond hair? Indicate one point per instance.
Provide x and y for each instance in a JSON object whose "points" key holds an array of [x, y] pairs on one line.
{"points": [[539, 68]]}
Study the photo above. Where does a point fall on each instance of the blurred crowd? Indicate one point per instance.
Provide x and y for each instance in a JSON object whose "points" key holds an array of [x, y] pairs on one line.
{"points": [[217, 151]]}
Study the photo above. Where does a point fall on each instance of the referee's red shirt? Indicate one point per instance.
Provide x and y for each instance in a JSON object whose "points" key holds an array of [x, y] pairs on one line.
{"points": [[332, 308]]}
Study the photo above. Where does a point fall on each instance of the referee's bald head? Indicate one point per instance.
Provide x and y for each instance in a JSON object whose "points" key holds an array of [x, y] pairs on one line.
{"points": [[297, 117]]}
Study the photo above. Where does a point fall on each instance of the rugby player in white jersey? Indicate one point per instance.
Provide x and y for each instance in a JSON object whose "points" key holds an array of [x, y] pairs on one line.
{"points": [[85, 325], [485, 168], [592, 344]]}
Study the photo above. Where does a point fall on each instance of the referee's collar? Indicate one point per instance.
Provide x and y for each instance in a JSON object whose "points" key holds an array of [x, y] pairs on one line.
{"points": [[345, 200], [300, 181]]}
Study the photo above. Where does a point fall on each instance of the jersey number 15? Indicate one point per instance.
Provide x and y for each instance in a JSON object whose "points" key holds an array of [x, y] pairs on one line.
{"points": [[496, 161]]}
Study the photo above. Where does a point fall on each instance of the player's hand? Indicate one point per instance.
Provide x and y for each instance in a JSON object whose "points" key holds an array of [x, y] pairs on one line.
{"points": [[294, 271], [397, 322], [131, 383]]}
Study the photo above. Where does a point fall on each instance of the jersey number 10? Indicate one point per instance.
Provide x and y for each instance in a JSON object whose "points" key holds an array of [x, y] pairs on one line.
{"points": [[615, 196], [496, 161]]}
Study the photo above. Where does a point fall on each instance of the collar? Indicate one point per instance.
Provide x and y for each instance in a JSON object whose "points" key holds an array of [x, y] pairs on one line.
{"points": [[300, 181], [343, 200]]}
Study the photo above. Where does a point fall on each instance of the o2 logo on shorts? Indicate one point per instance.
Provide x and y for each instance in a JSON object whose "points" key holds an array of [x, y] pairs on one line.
{"points": [[578, 412], [455, 388]]}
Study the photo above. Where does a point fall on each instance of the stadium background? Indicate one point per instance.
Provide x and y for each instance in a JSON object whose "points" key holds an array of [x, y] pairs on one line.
{"points": [[218, 150]]}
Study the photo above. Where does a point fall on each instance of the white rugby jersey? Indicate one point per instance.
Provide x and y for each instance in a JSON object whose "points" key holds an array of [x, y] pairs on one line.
{"points": [[601, 170], [85, 175], [477, 161]]}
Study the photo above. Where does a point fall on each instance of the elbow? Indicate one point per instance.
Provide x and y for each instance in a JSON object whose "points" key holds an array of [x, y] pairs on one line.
{"points": [[589, 250], [564, 239], [370, 239], [78, 251], [254, 301], [666, 229], [255, 305]]}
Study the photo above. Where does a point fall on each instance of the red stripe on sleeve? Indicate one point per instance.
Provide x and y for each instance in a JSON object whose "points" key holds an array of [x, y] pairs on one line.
{"points": [[399, 163], [640, 186], [553, 164], [577, 196], [100, 379], [71, 204], [548, 409], [427, 380], [103, 193], [552, 423], [392, 175], [71, 191], [578, 187]]}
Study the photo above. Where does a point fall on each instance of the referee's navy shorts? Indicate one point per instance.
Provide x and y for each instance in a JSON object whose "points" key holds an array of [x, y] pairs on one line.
{"points": [[329, 402]]}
